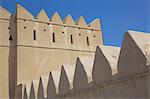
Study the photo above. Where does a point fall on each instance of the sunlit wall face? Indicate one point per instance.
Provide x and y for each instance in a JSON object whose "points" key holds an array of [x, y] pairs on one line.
{"points": [[117, 16]]}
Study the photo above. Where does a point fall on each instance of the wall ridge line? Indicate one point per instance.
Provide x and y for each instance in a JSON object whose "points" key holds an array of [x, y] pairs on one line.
{"points": [[59, 24], [55, 48], [4, 19]]}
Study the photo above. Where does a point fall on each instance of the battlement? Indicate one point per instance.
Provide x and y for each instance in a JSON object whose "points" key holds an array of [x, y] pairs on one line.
{"points": [[31, 47], [74, 82], [68, 21], [42, 32]]}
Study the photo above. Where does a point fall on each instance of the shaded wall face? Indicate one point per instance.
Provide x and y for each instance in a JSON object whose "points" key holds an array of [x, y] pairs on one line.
{"points": [[134, 88], [42, 47], [4, 57]]}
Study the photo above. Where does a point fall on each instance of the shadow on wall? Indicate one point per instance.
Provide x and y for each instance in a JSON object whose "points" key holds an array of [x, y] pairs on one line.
{"points": [[131, 81], [12, 59]]}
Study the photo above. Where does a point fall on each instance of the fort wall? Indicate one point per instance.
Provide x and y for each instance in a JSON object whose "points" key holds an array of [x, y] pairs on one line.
{"points": [[31, 46], [52, 42], [54, 59], [4, 52], [122, 85]]}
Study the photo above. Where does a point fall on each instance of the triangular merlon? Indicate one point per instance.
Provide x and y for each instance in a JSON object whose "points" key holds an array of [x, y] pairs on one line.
{"points": [[68, 20], [42, 16], [56, 19], [101, 66], [142, 40], [131, 60], [4, 13], [21, 12], [81, 22], [112, 54], [95, 24]]}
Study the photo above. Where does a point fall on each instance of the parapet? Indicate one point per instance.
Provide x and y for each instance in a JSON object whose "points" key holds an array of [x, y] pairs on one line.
{"points": [[44, 32], [22, 13]]}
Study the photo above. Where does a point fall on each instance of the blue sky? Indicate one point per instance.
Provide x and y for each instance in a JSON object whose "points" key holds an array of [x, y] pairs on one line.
{"points": [[117, 16]]}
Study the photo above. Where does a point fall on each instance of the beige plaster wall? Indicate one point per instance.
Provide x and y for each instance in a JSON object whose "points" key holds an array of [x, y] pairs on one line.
{"points": [[38, 57], [25, 59], [4, 53], [4, 82], [39, 61]]}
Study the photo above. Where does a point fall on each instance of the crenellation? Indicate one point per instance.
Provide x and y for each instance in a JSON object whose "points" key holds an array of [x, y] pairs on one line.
{"points": [[32, 47], [68, 20], [105, 86], [81, 22], [143, 44], [27, 24], [56, 19], [40, 94], [95, 24], [137, 62], [4, 14], [22, 13], [111, 53], [101, 66], [42, 16]]}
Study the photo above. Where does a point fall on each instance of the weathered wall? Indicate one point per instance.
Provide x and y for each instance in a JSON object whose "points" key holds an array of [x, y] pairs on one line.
{"points": [[4, 53], [8, 54], [40, 54], [26, 58], [133, 83]]}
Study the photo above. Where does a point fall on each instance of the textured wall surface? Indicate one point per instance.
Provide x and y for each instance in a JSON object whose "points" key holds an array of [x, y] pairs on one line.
{"points": [[56, 42], [130, 82], [4, 53], [32, 46], [44, 58]]}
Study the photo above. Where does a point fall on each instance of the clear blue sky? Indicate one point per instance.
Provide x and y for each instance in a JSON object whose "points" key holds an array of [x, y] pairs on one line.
{"points": [[117, 16]]}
